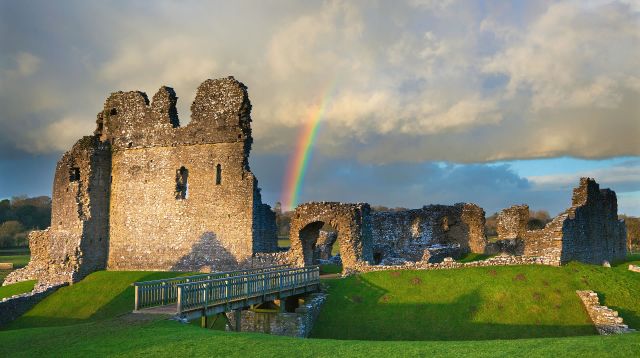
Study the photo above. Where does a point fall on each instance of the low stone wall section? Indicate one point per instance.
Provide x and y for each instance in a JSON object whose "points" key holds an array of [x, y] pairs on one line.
{"points": [[605, 319], [449, 263], [15, 306]]}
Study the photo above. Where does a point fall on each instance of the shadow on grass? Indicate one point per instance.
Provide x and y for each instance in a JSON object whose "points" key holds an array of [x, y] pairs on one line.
{"points": [[383, 320]]}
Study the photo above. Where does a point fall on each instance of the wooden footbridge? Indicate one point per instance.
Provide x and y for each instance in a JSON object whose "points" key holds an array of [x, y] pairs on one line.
{"points": [[202, 296]]}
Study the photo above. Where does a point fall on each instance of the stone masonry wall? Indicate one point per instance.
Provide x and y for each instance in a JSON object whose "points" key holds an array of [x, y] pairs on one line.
{"points": [[589, 231], [15, 306], [76, 244], [417, 234], [605, 319], [293, 324], [512, 222], [592, 232], [219, 221], [145, 193], [352, 222]]}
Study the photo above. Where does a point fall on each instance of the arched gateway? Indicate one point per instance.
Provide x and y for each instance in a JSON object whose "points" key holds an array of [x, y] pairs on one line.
{"points": [[352, 221]]}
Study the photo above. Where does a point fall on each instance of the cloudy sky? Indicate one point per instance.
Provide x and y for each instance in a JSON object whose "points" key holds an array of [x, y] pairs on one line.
{"points": [[428, 101]]}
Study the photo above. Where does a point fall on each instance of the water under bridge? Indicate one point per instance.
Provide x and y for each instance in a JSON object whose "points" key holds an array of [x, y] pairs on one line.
{"points": [[206, 295]]}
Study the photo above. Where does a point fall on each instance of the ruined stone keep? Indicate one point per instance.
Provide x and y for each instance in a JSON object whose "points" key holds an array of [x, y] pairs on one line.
{"points": [[144, 193]]}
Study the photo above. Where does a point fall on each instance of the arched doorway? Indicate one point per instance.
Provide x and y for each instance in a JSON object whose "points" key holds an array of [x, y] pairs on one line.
{"points": [[320, 243], [350, 222]]}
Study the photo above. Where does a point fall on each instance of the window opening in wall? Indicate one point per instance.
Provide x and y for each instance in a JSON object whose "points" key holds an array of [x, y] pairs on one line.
{"points": [[74, 174], [218, 174], [445, 223], [377, 258], [182, 185]]}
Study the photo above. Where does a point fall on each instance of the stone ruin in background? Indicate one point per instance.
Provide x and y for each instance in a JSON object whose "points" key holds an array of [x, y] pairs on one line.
{"points": [[589, 231], [144, 193]]}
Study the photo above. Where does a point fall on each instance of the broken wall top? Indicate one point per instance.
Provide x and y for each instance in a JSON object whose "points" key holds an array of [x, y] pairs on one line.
{"points": [[220, 113]]}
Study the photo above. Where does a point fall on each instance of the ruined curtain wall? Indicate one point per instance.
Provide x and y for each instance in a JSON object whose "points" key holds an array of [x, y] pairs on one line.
{"points": [[76, 244], [416, 234]]}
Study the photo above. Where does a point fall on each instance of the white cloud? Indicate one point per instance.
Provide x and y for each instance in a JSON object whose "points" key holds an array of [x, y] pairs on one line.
{"points": [[26, 64], [58, 135], [423, 80]]}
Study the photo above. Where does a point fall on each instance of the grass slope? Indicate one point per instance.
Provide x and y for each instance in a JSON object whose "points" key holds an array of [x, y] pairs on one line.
{"points": [[103, 294], [127, 336], [16, 288], [474, 303]]}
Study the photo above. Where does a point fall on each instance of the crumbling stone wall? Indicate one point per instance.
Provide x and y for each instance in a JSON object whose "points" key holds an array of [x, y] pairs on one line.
{"points": [[512, 222], [144, 193], [352, 222], [221, 220], [589, 231], [429, 233], [76, 244]]}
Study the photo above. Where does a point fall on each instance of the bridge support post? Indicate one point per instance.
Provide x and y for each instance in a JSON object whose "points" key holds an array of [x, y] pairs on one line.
{"points": [[237, 315], [204, 320]]}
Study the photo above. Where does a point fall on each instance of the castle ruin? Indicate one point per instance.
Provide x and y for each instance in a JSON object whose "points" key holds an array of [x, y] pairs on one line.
{"points": [[144, 193]]}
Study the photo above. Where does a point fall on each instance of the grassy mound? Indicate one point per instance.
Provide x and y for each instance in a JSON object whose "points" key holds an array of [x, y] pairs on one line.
{"points": [[103, 294], [474, 303], [16, 288], [134, 336]]}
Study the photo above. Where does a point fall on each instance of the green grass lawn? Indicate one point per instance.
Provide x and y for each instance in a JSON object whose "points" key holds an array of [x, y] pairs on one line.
{"points": [[101, 295], [127, 336], [446, 313], [16, 288], [474, 303]]}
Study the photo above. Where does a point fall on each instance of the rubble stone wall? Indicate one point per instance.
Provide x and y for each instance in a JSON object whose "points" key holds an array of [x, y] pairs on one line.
{"points": [[352, 222], [589, 231], [413, 235], [145, 193], [293, 324], [76, 244], [512, 222], [604, 319]]}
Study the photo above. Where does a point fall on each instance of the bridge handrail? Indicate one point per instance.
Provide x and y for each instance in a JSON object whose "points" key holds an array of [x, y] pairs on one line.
{"points": [[165, 291], [179, 278], [202, 294]]}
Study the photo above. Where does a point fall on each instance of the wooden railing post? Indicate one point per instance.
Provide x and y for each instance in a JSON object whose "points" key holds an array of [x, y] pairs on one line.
{"points": [[179, 303], [137, 299]]}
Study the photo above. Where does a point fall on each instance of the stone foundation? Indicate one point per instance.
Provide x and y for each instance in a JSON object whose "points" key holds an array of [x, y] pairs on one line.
{"points": [[292, 324], [450, 263]]}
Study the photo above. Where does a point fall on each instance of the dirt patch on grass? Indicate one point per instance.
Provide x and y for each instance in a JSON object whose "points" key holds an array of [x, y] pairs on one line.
{"points": [[356, 299], [537, 296], [493, 273], [395, 273], [416, 281], [520, 277]]}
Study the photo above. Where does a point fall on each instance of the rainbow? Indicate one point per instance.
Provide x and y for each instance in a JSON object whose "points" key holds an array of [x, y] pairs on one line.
{"points": [[299, 160]]}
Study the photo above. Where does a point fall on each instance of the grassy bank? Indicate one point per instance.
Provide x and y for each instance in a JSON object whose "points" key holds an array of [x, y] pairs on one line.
{"points": [[474, 303], [101, 295]]}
